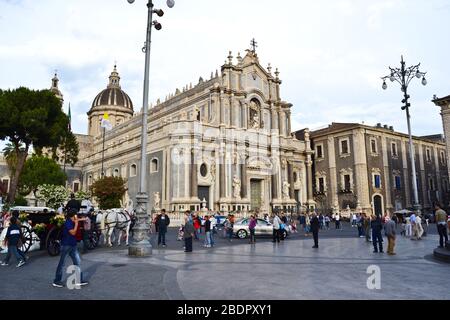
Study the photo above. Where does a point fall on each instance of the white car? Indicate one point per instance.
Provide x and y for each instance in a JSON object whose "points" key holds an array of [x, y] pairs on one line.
{"points": [[263, 228]]}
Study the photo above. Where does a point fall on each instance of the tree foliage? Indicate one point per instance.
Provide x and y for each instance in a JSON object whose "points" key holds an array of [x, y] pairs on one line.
{"points": [[39, 170], [30, 118], [52, 195], [109, 191], [68, 150]]}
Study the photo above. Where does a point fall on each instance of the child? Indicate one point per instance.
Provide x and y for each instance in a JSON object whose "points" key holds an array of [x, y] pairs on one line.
{"points": [[13, 235], [180, 234]]}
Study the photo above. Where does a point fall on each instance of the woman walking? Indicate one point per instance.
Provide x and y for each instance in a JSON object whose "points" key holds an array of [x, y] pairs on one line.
{"points": [[251, 227]]}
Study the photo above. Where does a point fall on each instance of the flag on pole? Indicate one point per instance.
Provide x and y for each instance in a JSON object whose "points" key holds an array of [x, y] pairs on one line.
{"points": [[105, 122], [70, 120]]}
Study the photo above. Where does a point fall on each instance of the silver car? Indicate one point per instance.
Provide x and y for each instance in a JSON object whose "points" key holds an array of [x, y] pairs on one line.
{"points": [[263, 228]]}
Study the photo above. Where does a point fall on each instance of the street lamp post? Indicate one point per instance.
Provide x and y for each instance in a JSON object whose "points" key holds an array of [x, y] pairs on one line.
{"points": [[404, 76], [140, 245]]}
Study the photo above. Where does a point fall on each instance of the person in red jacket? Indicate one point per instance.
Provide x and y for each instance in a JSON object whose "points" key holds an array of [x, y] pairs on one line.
{"points": [[197, 226]]}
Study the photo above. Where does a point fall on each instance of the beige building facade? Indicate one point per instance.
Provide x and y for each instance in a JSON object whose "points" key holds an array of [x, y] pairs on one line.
{"points": [[361, 168]]}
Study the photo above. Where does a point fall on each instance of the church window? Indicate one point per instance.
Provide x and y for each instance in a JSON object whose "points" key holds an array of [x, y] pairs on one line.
{"points": [[154, 166], [76, 187], [347, 182], [394, 149], [116, 172], [377, 181], [398, 182], [321, 184], [204, 170], [344, 146], [431, 184], [428, 155], [319, 151], [373, 146]]}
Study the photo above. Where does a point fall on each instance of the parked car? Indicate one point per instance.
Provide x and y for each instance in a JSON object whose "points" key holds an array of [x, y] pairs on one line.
{"points": [[263, 228]]}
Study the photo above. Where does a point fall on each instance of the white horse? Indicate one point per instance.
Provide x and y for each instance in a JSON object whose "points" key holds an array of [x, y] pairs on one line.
{"points": [[114, 219]]}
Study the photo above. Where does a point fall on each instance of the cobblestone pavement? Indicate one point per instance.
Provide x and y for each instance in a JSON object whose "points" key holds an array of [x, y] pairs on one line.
{"points": [[237, 270]]}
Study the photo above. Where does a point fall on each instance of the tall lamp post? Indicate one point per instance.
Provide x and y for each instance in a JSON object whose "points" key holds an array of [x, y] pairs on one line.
{"points": [[404, 76], [140, 245]]}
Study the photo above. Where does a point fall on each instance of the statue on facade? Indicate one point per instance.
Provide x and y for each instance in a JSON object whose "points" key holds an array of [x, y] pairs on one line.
{"points": [[236, 187], [286, 190], [156, 200], [254, 120]]}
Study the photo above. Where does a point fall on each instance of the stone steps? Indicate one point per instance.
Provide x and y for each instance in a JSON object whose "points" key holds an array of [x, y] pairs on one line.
{"points": [[442, 254]]}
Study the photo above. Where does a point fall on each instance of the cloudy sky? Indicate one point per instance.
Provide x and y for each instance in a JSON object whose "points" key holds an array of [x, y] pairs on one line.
{"points": [[331, 53]]}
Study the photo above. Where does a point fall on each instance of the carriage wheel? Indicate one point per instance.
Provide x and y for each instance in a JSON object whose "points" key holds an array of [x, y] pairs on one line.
{"points": [[53, 241], [27, 239]]}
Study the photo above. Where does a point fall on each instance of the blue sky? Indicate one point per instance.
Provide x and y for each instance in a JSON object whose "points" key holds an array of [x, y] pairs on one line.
{"points": [[331, 53]]}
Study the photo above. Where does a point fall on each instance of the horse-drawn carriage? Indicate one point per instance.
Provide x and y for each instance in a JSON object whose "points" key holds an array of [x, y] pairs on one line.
{"points": [[44, 226]]}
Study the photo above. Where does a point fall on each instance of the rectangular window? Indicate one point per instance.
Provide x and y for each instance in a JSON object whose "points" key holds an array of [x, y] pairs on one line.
{"points": [[443, 158], [394, 149], [373, 145], [321, 185], [377, 181], [344, 146], [76, 187], [319, 152], [428, 155], [347, 185], [398, 182]]}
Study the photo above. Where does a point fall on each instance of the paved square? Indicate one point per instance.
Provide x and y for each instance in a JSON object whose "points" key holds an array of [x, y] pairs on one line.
{"points": [[289, 270]]}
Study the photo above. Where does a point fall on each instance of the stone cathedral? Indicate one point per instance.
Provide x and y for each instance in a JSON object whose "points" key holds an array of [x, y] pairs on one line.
{"points": [[222, 144]]}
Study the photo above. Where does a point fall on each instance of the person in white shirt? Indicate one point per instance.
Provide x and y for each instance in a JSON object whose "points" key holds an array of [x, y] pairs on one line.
{"points": [[354, 220], [276, 228], [338, 221]]}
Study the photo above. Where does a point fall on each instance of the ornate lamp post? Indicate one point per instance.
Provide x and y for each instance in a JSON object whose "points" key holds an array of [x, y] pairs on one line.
{"points": [[140, 245], [404, 76]]}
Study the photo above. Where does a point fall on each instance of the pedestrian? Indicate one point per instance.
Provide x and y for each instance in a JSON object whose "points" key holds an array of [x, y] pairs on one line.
{"points": [[315, 225], [367, 227], [12, 239], [327, 222], [213, 229], [229, 224], [208, 242], [188, 233], [283, 226], [307, 224], [417, 228], [377, 225], [276, 228], [294, 225], [354, 220], [162, 222], [441, 223], [337, 220], [251, 228], [322, 221], [197, 227], [69, 248], [73, 204], [266, 217], [359, 224], [389, 229]]}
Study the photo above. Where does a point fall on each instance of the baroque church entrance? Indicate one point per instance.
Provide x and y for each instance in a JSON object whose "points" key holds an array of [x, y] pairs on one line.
{"points": [[203, 193], [255, 193]]}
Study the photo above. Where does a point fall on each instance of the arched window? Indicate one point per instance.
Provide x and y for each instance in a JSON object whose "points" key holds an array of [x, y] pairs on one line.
{"points": [[116, 172], [204, 170], [154, 165], [133, 170]]}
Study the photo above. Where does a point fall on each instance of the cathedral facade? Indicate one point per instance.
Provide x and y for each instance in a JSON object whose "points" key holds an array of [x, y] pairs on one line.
{"points": [[223, 144]]}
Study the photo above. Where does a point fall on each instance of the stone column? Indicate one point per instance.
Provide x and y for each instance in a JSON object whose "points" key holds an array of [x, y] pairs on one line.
{"points": [[387, 174], [309, 173], [244, 178], [222, 176], [291, 180], [333, 187], [406, 173], [360, 173], [194, 175], [437, 174]]}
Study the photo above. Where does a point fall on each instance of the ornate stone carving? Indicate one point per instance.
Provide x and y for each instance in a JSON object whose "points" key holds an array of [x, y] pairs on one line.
{"points": [[236, 187], [254, 120], [213, 170]]}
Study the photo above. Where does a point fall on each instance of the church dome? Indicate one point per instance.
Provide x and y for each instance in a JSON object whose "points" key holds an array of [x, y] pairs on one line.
{"points": [[113, 95]]}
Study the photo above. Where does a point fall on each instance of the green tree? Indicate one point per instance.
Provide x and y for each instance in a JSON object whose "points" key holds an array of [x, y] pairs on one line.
{"points": [[67, 151], [52, 195], [10, 154], [32, 119], [40, 170], [109, 191]]}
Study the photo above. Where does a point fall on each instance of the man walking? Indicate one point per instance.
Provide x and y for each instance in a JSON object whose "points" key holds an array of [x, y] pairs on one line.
{"points": [[338, 221], [162, 222], [441, 222], [69, 248], [12, 238], [276, 228], [188, 233], [390, 229], [377, 226], [315, 225], [367, 227], [208, 241]]}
